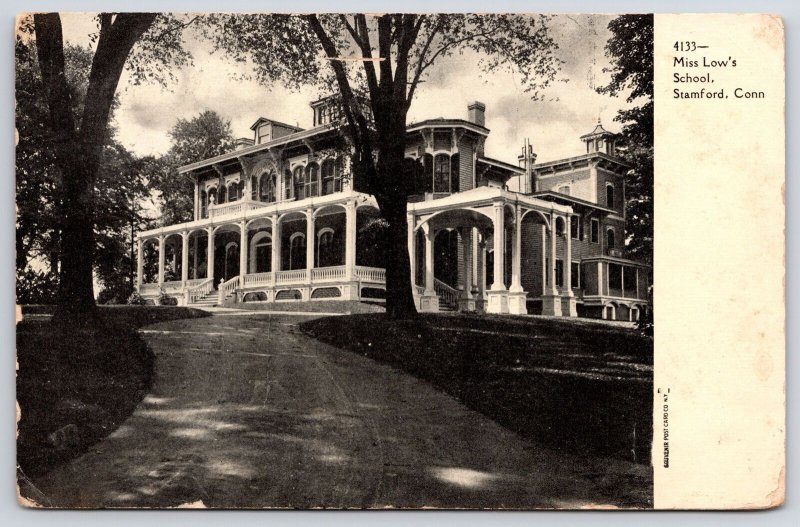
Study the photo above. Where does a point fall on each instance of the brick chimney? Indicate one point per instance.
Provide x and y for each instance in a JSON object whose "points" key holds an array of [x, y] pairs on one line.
{"points": [[477, 113]]}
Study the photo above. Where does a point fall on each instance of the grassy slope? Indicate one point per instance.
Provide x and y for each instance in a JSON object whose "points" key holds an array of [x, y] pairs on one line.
{"points": [[92, 379], [574, 385], [317, 306]]}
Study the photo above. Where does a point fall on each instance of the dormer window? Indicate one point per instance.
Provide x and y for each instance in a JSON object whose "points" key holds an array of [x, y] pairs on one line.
{"points": [[610, 196]]}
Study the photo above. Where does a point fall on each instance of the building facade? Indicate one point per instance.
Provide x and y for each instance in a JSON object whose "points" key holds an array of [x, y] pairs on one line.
{"points": [[281, 219]]}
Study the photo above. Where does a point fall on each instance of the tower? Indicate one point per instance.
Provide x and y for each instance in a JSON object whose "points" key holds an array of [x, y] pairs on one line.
{"points": [[600, 140]]}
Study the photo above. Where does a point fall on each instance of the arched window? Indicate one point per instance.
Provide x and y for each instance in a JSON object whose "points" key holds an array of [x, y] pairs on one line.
{"points": [[266, 190], [254, 188], [222, 194], [441, 173], [261, 253], [610, 238], [559, 226], [327, 177], [338, 174], [233, 191], [610, 196], [288, 185], [203, 204], [297, 251], [326, 253], [299, 183], [312, 180]]}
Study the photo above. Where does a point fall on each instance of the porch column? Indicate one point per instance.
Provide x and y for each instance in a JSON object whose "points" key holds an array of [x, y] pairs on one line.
{"points": [[552, 269], [516, 253], [161, 259], [482, 274], [467, 242], [310, 239], [429, 288], [139, 264], [350, 240], [185, 258], [572, 306], [194, 257], [210, 255], [242, 251], [412, 250], [545, 272], [600, 289], [276, 248], [499, 247], [475, 260], [196, 199]]}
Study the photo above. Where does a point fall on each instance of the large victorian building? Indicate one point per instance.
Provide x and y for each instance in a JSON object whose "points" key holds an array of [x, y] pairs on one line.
{"points": [[280, 219]]}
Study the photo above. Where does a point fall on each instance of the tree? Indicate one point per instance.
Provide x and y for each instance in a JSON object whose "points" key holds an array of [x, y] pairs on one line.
{"points": [[318, 50], [205, 135], [78, 143], [631, 52]]}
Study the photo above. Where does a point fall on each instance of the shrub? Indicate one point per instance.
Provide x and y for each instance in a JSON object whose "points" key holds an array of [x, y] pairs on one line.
{"points": [[165, 300], [136, 299]]}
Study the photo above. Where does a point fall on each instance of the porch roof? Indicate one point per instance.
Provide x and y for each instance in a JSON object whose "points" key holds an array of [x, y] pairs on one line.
{"points": [[571, 199], [482, 196], [615, 259]]}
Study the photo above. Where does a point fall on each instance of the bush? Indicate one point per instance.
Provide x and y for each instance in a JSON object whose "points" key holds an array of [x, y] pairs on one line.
{"points": [[165, 300], [136, 299], [36, 287]]}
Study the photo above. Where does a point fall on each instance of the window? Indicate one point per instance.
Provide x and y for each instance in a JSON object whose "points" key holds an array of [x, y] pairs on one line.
{"points": [[297, 251], [266, 190], [441, 173], [559, 226], [288, 185], [263, 255], [327, 177], [564, 190], [233, 194], [610, 238], [610, 196], [299, 183], [338, 173], [326, 255], [594, 232], [559, 273], [575, 227], [614, 276], [203, 204], [454, 180], [575, 275], [312, 180], [222, 193], [254, 188]]}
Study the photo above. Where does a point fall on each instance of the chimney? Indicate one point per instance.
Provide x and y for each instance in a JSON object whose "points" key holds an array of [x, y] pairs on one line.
{"points": [[243, 142], [477, 113]]}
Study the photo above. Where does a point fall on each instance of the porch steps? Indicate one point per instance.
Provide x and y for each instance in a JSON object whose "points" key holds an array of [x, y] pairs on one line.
{"points": [[209, 300]]}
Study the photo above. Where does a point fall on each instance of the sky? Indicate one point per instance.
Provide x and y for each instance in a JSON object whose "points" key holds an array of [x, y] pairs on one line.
{"points": [[569, 107]]}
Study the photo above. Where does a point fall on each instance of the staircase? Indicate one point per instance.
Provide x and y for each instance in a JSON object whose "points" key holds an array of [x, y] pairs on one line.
{"points": [[448, 297], [207, 300]]}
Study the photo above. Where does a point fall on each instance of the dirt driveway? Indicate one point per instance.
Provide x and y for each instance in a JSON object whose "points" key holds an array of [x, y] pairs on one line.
{"points": [[245, 411]]}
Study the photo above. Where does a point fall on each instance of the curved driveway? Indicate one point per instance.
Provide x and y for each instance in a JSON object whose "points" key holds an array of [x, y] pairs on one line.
{"points": [[245, 411]]}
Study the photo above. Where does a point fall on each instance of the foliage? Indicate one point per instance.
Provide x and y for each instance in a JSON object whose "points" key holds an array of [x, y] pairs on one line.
{"points": [[35, 287], [205, 135], [136, 299], [165, 300], [631, 52]]}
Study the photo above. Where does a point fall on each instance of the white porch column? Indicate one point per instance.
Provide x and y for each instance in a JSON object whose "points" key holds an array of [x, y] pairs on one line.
{"points": [[482, 274], [276, 248], [310, 239], [516, 253], [412, 250], [552, 269], [475, 260], [468, 265], [194, 257], [571, 303], [429, 288], [350, 239], [161, 256], [139, 264], [242, 251], [185, 258], [210, 254], [196, 199], [545, 272], [600, 288], [499, 247]]}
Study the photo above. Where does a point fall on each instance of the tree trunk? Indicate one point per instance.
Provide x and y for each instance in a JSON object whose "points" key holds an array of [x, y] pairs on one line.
{"points": [[393, 202]]}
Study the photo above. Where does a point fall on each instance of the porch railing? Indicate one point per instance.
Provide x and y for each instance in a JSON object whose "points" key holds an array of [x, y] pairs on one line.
{"points": [[371, 274], [200, 290], [257, 279], [235, 207], [328, 274], [228, 288], [145, 289], [175, 286], [291, 277], [446, 294]]}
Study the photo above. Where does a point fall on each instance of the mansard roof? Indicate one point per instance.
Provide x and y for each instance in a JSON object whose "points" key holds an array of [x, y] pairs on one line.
{"points": [[441, 122], [598, 131]]}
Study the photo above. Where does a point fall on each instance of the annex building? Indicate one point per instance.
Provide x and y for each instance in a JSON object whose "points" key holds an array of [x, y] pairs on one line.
{"points": [[280, 219]]}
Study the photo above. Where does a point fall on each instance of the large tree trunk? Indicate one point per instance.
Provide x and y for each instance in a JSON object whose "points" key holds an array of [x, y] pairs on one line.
{"points": [[393, 201]]}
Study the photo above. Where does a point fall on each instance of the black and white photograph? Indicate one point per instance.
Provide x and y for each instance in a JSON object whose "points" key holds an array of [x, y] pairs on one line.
{"points": [[335, 261]]}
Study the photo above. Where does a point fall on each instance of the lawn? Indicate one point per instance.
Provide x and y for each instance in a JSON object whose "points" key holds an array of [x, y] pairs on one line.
{"points": [[75, 386], [577, 386]]}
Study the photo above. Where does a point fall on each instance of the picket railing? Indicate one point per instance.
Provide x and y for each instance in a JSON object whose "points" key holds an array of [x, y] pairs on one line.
{"points": [[257, 279], [228, 288], [297, 276], [371, 274], [446, 294], [328, 274], [200, 290]]}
